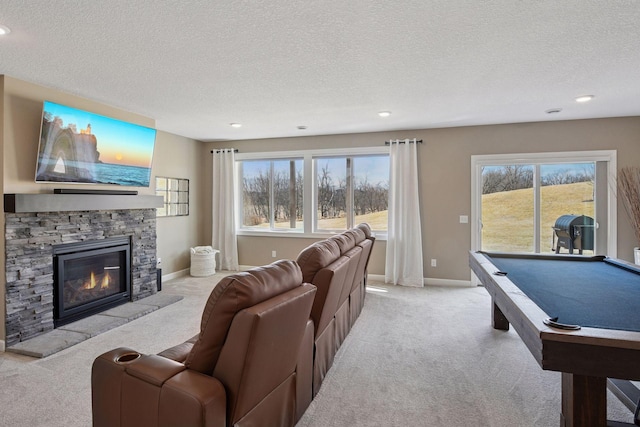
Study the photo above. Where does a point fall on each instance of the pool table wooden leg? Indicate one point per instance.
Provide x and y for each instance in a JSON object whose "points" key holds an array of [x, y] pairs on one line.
{"points": [[584, 401], [498, 320]]}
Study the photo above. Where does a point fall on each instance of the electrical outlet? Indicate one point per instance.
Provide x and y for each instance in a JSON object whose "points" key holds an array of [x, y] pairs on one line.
{"points": [[273, 254], [434, 262]]}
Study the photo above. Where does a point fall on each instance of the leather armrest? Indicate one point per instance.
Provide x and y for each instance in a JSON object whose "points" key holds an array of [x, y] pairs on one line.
{"points": [[154, 369], [151, 390], [180, 352], [193, 399]]}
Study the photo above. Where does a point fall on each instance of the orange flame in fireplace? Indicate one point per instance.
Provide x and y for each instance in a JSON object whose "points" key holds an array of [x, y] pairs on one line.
{"points": [[92, 281], [105, 281]]}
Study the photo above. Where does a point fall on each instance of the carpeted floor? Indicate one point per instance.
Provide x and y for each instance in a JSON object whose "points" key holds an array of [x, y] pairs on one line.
{"points": [[429, 357], [416, 357]]}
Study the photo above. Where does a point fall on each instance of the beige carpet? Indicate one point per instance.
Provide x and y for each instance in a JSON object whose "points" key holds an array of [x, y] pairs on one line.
{"points": [[429, 357], [416, 357]]}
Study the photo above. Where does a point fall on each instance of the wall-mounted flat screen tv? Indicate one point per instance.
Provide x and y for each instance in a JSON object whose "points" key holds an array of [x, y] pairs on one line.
{"points": [[81, 147]]}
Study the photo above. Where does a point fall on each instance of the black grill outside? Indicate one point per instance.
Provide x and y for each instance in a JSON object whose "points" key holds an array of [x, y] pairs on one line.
{"points": [[574, 232]]}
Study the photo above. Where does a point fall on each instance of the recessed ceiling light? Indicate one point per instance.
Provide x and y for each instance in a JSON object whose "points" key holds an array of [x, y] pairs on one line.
{"points": [[584, 98], [553, 110], [4, 30], [236, 125], [384, 113]]}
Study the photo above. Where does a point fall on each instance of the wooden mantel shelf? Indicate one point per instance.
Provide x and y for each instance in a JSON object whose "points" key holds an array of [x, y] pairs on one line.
{"points": [[23, 203]]}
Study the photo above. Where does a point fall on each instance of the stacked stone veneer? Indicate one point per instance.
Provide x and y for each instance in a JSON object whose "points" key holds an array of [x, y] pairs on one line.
{"points": [[29, 240]]}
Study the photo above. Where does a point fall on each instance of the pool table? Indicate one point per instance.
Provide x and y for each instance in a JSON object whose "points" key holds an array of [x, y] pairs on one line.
{"points": [[578, 315]]}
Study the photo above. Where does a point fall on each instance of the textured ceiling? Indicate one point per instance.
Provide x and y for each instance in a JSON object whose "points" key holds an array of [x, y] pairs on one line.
{"points": [[273, 65]]}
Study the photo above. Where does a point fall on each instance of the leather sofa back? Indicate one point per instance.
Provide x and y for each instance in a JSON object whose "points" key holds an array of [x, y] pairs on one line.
{"points": [[258, 360], [233, 294], [317, 256]]}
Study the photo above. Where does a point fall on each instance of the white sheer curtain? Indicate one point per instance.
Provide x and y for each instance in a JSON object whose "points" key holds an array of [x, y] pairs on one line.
{"points": [[223, 227], [404, 243]]}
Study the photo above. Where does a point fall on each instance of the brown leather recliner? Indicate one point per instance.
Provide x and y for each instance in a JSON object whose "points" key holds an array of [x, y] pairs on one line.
{"points": [[337, 267], [239, 370]]}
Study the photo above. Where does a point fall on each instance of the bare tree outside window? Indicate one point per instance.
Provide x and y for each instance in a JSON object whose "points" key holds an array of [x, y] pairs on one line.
{"points": [[351, 190], [272, 193], [348, 190]]}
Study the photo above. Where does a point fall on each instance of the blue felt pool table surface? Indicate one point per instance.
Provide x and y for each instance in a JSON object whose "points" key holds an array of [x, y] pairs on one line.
{"points": [[596, 292]]}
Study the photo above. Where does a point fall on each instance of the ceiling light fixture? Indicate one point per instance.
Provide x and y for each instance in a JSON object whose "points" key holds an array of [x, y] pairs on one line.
{"points": [[384, 113], [236, 125], [4, 30], [584, 98]]}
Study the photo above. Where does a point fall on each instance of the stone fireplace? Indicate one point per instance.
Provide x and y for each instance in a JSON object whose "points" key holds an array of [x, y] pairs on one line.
{"points": [[34, 235]]}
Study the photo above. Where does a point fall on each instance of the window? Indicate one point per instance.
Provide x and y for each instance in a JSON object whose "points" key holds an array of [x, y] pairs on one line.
{"points": [[351, 190], [510, 212], [544, 203], [175, 192], [313, 191], [272, 194]]}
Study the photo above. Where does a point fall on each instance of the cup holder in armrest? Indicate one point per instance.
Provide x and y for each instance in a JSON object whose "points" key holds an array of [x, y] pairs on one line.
{"points": [[128, 357]]}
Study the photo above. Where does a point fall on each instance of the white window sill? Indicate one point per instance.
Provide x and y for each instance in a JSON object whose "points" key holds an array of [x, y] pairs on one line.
{"points": [[379, 235]]}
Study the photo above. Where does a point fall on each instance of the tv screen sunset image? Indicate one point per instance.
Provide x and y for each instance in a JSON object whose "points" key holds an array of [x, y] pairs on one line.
{"points": [[79, 146]]}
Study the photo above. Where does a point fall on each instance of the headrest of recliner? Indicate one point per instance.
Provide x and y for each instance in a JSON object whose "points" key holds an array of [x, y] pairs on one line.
{"points": [[346, 241], [366, 229], [317, 256], [232, 294], [356, 234]]}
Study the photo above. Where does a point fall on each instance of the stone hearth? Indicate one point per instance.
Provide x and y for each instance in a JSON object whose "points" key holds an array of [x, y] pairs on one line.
{"points": [[29, 240]]}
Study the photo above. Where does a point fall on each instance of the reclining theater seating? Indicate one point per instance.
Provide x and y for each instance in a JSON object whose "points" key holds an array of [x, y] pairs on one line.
{"points": [[338, 268], [239, 370]]}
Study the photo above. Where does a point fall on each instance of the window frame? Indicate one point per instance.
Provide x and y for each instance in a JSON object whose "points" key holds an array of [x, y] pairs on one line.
{"points": [[608, 156], [309, 191]]}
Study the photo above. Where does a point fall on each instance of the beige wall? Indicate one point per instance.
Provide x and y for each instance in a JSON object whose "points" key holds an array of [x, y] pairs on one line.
{"points": [[179, 157], [445, 179], [175, 156]]}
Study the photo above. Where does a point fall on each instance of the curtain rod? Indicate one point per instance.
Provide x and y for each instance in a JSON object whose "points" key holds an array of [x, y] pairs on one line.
{"points": [[235, 150], [402, 141]]}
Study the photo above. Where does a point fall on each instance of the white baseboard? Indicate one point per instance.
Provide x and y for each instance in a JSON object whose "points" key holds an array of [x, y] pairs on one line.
{"points": [[376, 277], [175, 274], [448, 282], [430, 281]]}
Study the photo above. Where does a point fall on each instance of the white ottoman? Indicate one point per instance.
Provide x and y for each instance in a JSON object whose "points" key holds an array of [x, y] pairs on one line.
{"points": [[203, 261]]}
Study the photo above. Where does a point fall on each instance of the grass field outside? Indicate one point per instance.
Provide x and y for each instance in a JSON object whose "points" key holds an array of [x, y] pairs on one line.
{"points": [[376, 220], [507, 217]]}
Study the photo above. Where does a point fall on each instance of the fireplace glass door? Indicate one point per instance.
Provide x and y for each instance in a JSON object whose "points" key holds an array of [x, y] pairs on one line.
{"points": [[90, 277]]}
